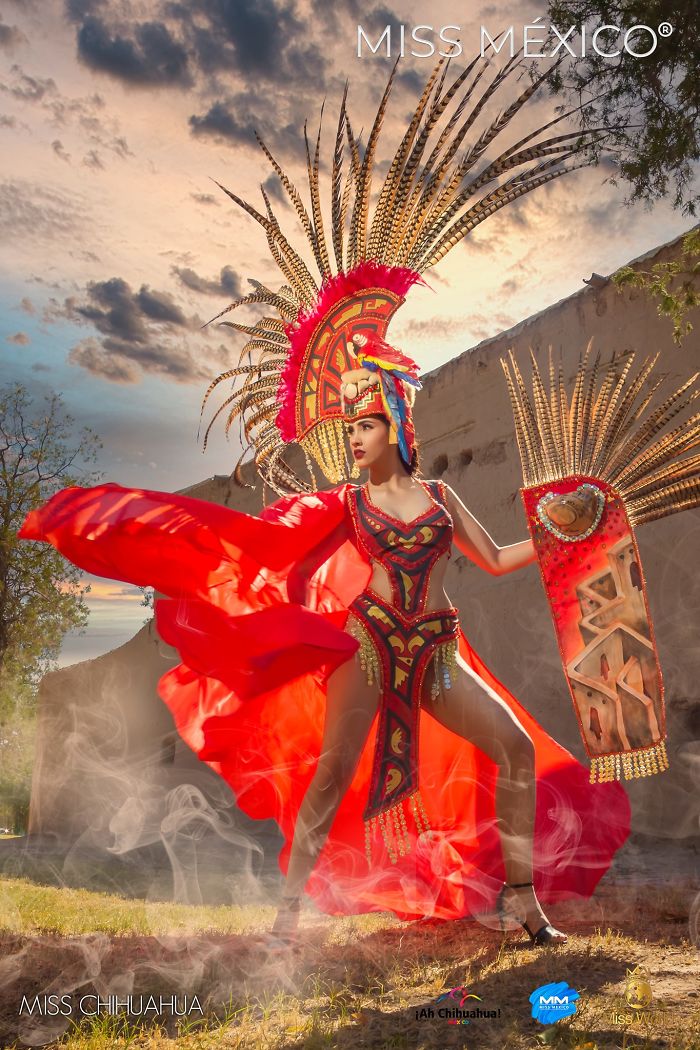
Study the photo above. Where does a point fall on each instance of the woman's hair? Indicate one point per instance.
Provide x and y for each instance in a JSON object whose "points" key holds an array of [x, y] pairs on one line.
{"points": [[414, 466]]}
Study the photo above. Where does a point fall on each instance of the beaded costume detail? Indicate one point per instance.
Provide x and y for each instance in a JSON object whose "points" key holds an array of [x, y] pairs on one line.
{"points": [[398, 640]]}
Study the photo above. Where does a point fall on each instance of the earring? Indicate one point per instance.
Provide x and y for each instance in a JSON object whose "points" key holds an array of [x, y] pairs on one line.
{"points": [[355, 472]]}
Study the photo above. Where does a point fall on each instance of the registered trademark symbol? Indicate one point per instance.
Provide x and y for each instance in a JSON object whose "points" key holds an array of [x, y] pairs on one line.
{"points": [[665, 29]]}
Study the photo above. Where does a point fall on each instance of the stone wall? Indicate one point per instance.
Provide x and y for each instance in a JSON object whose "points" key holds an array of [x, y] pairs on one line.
{"points": [[107, 753]]}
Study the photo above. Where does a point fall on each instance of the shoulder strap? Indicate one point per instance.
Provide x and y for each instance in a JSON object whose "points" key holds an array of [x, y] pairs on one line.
{"points": [[437, 490]]}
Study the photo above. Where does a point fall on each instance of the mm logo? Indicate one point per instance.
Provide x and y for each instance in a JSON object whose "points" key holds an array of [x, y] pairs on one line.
{"points": [[552, 1002]]}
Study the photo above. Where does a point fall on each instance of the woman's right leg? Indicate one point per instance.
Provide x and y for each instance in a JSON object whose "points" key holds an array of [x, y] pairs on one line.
{"points": [[351, 705]]}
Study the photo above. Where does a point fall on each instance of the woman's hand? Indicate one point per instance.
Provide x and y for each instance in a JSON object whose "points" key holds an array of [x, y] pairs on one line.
{"points": [[472, 539]]}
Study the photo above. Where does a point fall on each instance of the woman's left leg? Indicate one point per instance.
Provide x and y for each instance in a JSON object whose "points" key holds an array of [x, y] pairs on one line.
{"points": [[472, 710]]}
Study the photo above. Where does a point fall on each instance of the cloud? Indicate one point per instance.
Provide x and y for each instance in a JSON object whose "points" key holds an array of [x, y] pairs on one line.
{"points": [[150, 56], [58, 148], [120, 147], [106, 591], [221, 124], [486, 326], [92, 356], [11, 37], [331, 15], [34, 212], [274, 189], [19, 339], [436, 328], [234, 119], [204, 198], [117, 311], [27, 305], [27, 88], [139, 331], [86, 113], [251, 37], [200, 40], [77, 10], [228, 282], [98, 131], [92, 160], [215, 47]]}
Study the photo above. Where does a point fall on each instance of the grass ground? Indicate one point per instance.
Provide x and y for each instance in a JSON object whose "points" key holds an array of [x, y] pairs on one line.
{"points": [[357, 982]]}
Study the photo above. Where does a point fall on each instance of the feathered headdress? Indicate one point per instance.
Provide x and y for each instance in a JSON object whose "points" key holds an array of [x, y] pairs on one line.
{"points": [[430, 199]]}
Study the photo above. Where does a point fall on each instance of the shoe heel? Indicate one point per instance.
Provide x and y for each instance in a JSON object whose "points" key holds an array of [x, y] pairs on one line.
{"points": [[500, 908], [545, 935]]}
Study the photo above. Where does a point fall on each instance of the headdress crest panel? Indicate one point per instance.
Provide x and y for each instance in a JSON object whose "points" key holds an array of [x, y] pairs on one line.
{"points": [[354, 306]]}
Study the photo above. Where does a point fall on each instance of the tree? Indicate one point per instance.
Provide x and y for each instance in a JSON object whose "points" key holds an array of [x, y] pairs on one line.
{"points": [[17, 741], [41, 594], [672, 283], [652, 104]]}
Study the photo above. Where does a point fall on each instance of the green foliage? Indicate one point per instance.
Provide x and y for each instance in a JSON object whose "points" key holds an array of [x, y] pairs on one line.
{"points": [[41, 594], [672, 283], [17, 732], [648, 106]]}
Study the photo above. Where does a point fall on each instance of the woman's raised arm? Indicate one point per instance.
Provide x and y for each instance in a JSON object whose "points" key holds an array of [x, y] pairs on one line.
{"points": [[472, 539], [297, 581]]}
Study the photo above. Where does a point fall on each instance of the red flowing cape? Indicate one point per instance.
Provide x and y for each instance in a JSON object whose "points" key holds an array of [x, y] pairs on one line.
{"points": [[249, 699]]}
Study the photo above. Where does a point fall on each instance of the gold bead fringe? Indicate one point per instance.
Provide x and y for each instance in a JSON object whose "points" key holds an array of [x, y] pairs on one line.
{"points": [[392, 823], [326, 443], [629, 764], [367, 653]]}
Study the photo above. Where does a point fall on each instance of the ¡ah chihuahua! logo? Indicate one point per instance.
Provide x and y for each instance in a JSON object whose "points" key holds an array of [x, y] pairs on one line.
{"points": [[456, 1014]]}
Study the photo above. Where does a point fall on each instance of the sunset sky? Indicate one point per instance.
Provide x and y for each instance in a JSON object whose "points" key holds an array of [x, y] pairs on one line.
{"points": [[116, 245]]}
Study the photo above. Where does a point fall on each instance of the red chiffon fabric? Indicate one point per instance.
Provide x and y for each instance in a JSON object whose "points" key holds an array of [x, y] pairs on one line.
{"points": [[249, 698]]}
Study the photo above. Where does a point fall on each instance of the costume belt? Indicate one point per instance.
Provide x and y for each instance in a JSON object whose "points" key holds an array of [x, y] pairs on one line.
{"points": [[397, 650]]}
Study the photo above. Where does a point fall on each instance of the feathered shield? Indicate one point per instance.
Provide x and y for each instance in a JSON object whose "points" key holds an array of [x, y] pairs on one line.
{"points": [[594, 467]]}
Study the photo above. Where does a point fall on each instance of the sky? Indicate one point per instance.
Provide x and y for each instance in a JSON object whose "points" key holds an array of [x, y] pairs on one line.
{"points": [[118, 117]]}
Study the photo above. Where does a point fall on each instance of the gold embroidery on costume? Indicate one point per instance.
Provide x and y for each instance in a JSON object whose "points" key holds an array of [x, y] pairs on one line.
{"points": [[398, 643]]}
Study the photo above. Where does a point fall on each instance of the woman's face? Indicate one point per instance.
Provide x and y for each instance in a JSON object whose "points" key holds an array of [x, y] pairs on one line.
{"points": [[369, 440]]}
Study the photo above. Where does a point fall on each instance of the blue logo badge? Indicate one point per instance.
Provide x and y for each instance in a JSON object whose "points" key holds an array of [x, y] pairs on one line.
{"points": [[551, 1002]]}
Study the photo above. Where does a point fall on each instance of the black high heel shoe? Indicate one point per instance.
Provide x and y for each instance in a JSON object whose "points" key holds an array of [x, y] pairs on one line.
{"points": [[546, 934]]}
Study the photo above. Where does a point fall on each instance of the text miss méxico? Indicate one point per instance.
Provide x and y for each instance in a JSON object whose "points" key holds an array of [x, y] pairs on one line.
{"points": [[535, 39]]}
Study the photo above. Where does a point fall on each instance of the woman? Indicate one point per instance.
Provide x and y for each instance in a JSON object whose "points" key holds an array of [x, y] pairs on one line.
{"points": [[467, 707]]}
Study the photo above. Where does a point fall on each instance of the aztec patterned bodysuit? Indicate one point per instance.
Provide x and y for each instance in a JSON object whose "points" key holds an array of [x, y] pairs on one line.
{"points": [[398, 639]]}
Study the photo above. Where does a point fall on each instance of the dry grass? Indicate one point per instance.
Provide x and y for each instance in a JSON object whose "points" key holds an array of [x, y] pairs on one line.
{"points": [[356, 983]]}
